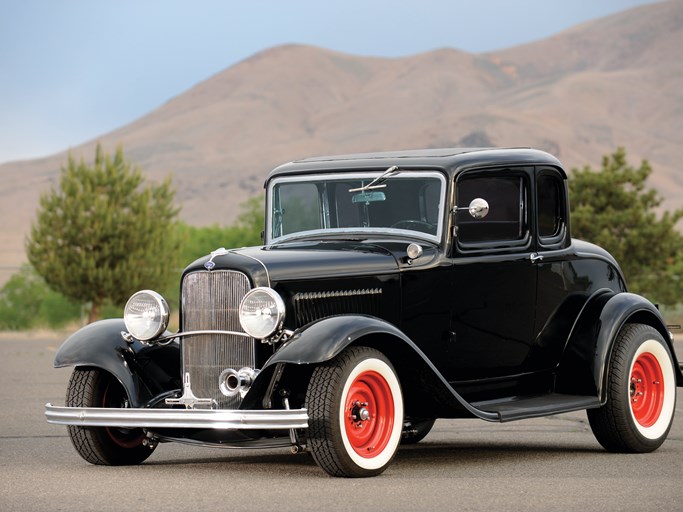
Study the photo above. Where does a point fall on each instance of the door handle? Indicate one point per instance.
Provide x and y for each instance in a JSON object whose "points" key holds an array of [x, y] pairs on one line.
{"points": [[534, 257]]}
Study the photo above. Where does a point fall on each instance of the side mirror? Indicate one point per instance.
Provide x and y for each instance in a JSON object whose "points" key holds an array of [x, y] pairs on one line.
{"points": [[479, 208]]}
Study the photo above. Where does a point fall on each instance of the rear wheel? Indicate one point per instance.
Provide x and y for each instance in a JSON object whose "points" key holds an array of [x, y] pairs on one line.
{"points": [[355, 409], [641, 393], [109, 446]]}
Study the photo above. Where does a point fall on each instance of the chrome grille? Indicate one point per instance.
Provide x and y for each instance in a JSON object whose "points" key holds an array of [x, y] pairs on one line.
{"points": [[210, 301]]}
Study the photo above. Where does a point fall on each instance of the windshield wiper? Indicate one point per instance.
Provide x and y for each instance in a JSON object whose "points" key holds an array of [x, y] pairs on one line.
{"points": [[376, 182]]}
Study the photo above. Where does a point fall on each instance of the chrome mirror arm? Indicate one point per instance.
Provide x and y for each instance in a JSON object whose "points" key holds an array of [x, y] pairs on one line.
{"points": [[478, 208]]}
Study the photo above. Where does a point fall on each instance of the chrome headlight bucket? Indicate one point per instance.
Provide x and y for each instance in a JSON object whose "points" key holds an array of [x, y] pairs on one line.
{"points": [[261, 312], [146, 315]]}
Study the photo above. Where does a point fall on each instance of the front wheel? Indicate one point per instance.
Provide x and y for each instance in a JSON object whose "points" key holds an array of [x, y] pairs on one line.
{"points": [[641, 393], [355, 409], [109, 446]]}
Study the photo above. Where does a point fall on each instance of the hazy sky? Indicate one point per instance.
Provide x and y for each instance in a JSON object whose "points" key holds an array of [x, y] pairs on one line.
{"points": [[71, 70]]}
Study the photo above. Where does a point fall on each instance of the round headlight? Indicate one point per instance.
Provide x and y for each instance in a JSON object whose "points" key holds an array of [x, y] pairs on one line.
{"points": [[262, 312], [146, 315]]}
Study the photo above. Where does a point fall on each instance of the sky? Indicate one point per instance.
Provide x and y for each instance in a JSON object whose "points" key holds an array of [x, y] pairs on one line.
{"points": [[72, 70]]}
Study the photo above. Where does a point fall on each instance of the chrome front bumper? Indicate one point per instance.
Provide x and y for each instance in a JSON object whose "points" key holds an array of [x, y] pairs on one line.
{"points": [[267, 419]]}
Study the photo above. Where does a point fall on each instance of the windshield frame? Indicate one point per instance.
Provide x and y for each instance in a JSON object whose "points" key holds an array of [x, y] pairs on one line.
{"points": [[357, 232]]}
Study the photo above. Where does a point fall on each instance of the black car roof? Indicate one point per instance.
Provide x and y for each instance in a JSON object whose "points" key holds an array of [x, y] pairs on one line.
{"points": [[447, 159]]}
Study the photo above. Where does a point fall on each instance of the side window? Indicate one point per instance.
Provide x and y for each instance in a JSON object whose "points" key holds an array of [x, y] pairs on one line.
{"points": [[551, 207], [507, 221]]}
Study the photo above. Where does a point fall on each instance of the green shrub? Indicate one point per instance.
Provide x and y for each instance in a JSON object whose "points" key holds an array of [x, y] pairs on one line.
{"points": [[27, 302]]}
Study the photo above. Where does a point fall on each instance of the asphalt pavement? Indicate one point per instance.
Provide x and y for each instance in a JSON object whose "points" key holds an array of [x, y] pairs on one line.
{"points": [[542, 464]]}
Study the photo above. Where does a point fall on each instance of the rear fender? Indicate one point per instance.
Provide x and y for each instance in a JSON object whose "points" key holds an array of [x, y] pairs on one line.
{"points": [[627, 308], [584, 366], [143, 370]]}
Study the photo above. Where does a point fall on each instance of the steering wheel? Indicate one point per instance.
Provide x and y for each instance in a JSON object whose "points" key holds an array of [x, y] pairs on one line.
{"points": [[415, 225]]}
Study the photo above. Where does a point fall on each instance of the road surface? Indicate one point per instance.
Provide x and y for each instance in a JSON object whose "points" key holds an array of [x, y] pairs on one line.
{"points": [[543, 464]]}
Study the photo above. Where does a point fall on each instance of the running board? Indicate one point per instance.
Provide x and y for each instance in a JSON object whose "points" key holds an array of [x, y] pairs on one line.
{"points": [[518, 408]]}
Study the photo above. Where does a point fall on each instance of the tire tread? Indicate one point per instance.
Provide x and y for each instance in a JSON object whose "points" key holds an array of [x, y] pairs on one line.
{"points": [[90, 442], [325, 380], [323, 433]]}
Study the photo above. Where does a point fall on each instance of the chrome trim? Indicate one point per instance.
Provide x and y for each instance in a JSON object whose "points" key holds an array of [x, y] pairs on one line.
{"points": [[265, 268], [222, 419], [374, 183], [209, 331], [357, 231], [232, 382], [414, 251], [280, 310], [188, 399], [162, 305], [278, 336], [293, 438], [209, 264], [210, 302], [335, 294], [195, 333], [534, 257]]}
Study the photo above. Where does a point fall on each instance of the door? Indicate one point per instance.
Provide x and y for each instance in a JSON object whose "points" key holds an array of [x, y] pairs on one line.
{"points": [[493, 279]]}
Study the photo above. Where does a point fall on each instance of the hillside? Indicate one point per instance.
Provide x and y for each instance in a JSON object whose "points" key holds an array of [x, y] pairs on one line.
{"points": [[579, 94]]}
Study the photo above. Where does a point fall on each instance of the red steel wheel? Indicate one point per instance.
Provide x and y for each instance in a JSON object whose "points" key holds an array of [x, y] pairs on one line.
{"points": [[355, 409], [640, 395], [369, 414], [652, 389], [646, 389]]}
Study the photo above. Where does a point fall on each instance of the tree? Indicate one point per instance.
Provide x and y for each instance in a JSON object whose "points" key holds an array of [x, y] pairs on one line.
{"points": [[27, 302], [613, 209], [200, 241], [103, 234], [245, 232]]}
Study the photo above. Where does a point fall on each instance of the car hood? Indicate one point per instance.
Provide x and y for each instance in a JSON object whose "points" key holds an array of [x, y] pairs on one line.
{"points": [[302, 261]]}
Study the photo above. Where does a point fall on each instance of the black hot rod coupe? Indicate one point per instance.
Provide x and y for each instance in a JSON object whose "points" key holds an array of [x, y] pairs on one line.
{"points": [[391, 289]]}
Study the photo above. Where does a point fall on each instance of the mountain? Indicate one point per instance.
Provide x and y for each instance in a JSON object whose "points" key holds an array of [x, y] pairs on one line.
{"points": [[615, 81]]}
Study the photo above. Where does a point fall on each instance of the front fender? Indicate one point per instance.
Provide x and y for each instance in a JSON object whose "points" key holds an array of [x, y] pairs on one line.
{"points": [[321, 341], [143, 370]]}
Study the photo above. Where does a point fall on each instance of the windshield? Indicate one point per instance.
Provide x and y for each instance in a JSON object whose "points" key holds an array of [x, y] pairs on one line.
{"points": [[402, 201]]}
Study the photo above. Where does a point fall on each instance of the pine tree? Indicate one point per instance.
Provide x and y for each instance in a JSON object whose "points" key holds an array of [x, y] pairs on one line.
{"points": [[103, 234], [613, 209]]}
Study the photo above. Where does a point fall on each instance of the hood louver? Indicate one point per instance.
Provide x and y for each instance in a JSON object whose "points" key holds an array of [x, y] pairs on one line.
{"points": [[311, 306]]}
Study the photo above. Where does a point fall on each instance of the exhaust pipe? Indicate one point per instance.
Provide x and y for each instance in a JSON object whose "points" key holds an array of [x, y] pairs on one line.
{"points": [[232, 382]]}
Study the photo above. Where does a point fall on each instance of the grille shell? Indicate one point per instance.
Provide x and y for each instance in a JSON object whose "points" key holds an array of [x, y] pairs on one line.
{"points": [[210, 301]]}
